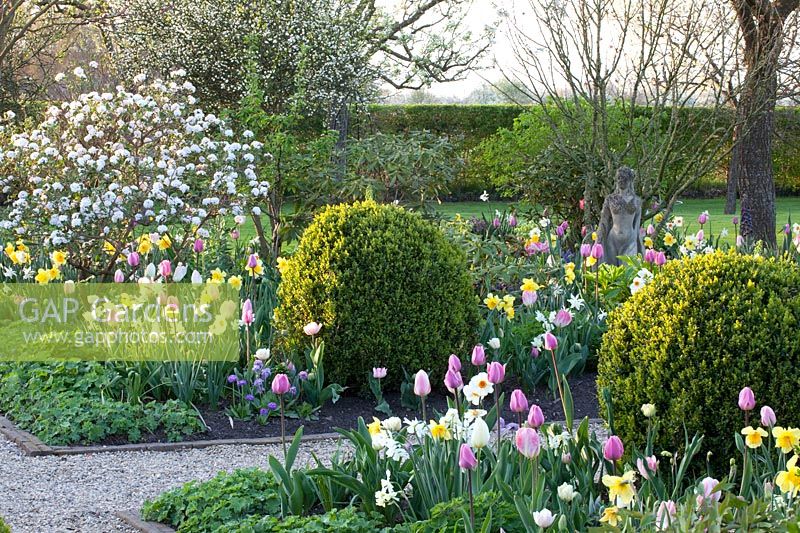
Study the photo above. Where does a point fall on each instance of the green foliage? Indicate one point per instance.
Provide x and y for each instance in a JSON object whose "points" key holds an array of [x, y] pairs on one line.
{"points": [[693, 337], [387, 286], [347, 520], [206, 506], [412, 168], [4, 527], [70, 402], [448, 516]]}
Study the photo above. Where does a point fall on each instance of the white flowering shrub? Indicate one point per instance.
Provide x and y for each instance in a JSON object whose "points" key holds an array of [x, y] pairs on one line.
{"points": [[103, 171]]}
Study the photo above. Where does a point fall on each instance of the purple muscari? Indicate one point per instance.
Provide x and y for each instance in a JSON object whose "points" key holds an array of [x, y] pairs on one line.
{"points": [[302, 375], [263, 411], [272, 406], [242, 382], [232, 378], [293, 391], [250, 398], [266, 373], [258, 365]]}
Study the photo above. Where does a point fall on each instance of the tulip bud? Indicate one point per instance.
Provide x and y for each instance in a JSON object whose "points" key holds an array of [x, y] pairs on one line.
{"points": [[586, 250], [660, 259], [747, 400], [496, 372], [650, 255], [529, 298], [563, 318], [133, 259], [280, 384], [534, 351], [494, 343], [478, 355], [466, 458], [119, 277], [519, 403], [454, 363], [550, 341], [165, 268], [235, 234], [453, 381], [198, 246], [180, 272], [379, 372], [197, 278], [528, 442], [648, 410], [543, 518], [597, 251], [768, 416], [422, 384], [566, 492], [252, 261], [247, 312], [613, 449], [312, 328], [480, 434], [535, 416], [651, 230]]}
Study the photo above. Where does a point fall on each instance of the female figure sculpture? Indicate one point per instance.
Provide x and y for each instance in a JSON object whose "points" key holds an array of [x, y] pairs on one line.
{"points": [[620, 220]]}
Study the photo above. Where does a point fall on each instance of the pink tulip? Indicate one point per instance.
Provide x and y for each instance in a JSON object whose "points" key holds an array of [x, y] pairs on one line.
{"points": [[563, 318], [235, 234], [247, 312], [496, 222], [512, 221], [703, 218], [454, 363], [519, 403], [529, 298], [252, 261], [422, 384], [534, 351], [550, 342], [280, 384], [582, 204], [562, 228], [647, 466], [597, 250], [787, 229], [312, 328], [466, 458], [586, 250], [707, 492], [198, 246], [660, 259], [478, 355], [379, 372], [747, 400], [119, 277], [133, 259], [650, 255], [528, 443], [665, 515], [651, 230], [165, 268], [453, 381], [735, 221], [496, 372], [768, 416], [701, 235], [535, 417], [613, 449]]}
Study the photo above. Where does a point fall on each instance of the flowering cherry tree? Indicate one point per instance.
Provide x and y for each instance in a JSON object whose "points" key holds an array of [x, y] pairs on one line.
{"points": [[109, 170]]}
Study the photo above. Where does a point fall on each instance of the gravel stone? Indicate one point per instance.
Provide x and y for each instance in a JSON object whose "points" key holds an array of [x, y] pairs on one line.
{"points": [[80, 493]]}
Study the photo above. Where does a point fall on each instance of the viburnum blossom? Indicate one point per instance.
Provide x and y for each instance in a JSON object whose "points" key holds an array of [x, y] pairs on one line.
{"points": [[102, 172]]}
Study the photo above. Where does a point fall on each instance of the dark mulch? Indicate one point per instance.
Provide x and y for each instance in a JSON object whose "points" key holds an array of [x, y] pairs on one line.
{"points": [[346, 411]]}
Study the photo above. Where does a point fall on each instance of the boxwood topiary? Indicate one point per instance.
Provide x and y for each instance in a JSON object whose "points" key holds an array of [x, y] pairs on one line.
{"points": [[388, 287], [693, 337]]}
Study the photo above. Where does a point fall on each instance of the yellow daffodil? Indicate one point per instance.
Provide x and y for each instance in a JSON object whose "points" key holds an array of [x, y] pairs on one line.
{"points": [[529, 285], [789, 480], [58, 257], [753, 437], [10, 251], [594, 236], [235, 282], [54, 273], [145, 245], [610, 516], [648, 242], [375, 427], [569, 272], [492, 301], [217, 276], [689, 242], [508, 300], [658, 218], [439, 431], [510, 312], [256, 270], [21, 246], [669, 239], [164, 243], [283, 264], [109, 248], [43, 277], [786, 439], [620, 488], [591, 261]]}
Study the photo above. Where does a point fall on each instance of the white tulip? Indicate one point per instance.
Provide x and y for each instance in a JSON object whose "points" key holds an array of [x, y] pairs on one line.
{"points": [[566, 492], [180, 272], [480, 434], [494, 343], [543, 518], [197, 278], [262, 354], [393, 424], [150, 271]]}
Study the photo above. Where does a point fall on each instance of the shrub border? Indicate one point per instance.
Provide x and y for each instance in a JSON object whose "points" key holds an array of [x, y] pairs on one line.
{"points": [[33, 447]]}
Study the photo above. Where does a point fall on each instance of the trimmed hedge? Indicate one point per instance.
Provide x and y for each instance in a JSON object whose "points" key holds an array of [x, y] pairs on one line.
{"points": [[388, 287], [690, 340]]}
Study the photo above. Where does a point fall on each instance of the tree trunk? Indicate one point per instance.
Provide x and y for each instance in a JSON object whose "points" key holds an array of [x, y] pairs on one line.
{"points": [[734, 171]]}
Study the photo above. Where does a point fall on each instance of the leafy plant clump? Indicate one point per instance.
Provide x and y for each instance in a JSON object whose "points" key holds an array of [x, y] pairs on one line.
{"points": [[69, 403], [388, 287], [697, 334], [225, 499], [4, 527]]}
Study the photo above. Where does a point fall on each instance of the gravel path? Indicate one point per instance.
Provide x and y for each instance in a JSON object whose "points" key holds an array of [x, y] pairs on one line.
{"points": [[80, 492]]}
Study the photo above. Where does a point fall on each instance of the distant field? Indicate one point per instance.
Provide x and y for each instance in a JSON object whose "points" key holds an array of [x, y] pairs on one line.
{"points": [[787, 207]]}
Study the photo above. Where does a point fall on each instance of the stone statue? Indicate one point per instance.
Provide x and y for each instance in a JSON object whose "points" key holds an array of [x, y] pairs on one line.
{"points": [[620, 220]]}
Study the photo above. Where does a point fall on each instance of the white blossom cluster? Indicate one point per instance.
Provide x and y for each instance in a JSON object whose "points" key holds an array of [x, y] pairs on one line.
{"points": [[109, 165]]}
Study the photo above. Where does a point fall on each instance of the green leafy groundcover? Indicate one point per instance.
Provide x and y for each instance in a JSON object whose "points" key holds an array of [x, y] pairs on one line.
{"points": [[247, 500], [74, 402], [4, 527]]}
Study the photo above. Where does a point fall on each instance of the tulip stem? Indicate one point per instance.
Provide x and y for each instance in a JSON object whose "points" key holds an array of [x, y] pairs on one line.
{"points": [[471, 501], [283, 429], [558, 382], [497, 407], [424, 415]]}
